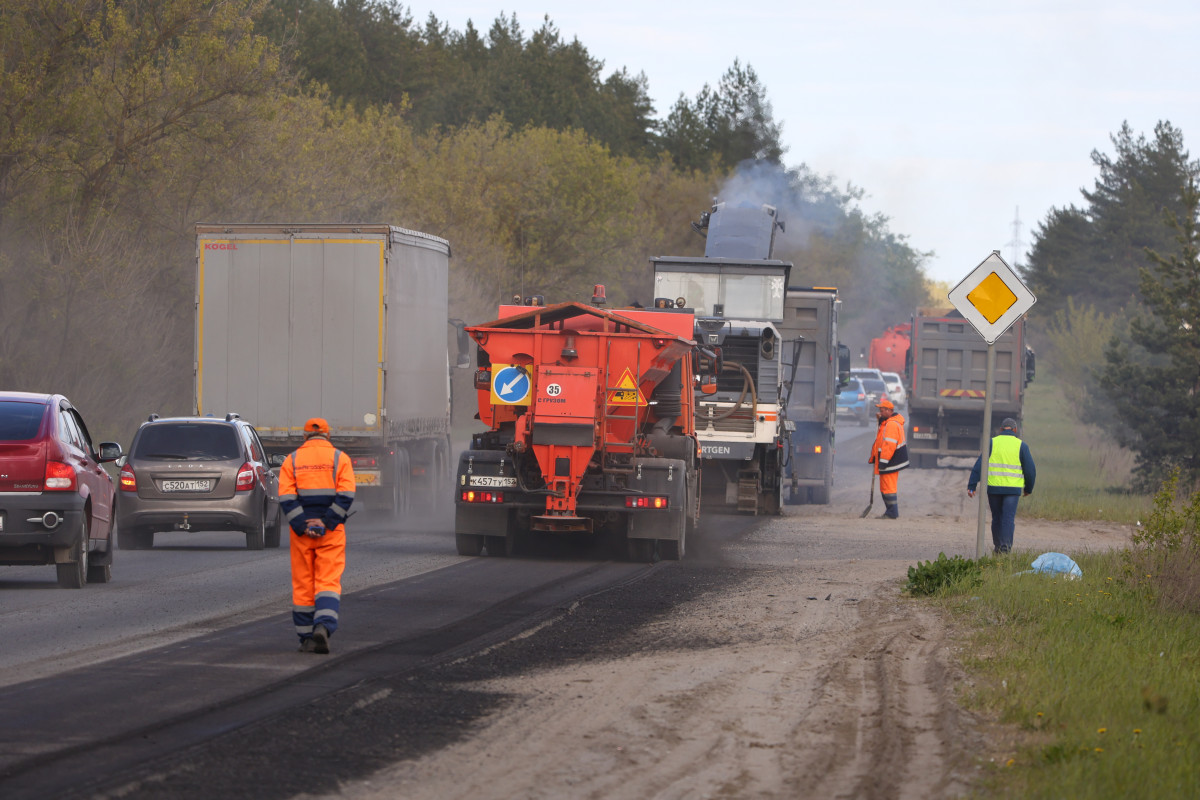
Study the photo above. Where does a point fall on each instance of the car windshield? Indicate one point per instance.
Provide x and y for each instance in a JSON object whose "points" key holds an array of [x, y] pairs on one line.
{"points": [[187, 440], [872, 385], [19, 421]]}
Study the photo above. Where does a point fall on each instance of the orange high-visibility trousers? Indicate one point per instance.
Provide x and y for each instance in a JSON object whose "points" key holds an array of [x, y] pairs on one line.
{"points": [[889, 487], [317, 566]]}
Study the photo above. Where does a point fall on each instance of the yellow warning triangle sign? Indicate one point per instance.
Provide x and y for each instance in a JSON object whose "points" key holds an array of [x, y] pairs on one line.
{"points": [[627, 392]]}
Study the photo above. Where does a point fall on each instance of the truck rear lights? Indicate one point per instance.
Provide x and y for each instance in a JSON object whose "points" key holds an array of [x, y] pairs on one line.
{"points": [[644, 501], [128, 480], [364, 461], [60, 477], [245, 478], [476, 496], [818, 449]]}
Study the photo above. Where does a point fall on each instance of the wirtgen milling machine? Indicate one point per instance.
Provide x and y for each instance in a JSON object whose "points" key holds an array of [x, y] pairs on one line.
{"points": [[737, 293]]}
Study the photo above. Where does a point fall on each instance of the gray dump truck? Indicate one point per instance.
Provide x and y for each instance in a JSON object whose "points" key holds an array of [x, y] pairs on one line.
{"points": [[817, 367], [345, 322], [946, 373]]}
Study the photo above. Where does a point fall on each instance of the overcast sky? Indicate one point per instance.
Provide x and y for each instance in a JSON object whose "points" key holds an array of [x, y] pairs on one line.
{"points": [[950, 115]]}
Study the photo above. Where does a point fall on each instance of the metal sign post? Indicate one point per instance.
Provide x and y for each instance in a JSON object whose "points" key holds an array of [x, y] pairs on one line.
{"points": [[991, 298]]}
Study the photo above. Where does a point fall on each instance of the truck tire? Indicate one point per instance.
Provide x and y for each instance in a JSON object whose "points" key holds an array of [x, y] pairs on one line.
{"points": [[641, 551], [468, 544]]}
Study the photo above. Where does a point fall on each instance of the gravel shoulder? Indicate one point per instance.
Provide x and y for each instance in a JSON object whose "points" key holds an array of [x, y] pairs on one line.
{"points": [[785, 663]]}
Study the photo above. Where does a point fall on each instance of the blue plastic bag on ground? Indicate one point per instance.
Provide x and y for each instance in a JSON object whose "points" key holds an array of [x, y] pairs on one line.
{"points": [[1057, 564]]}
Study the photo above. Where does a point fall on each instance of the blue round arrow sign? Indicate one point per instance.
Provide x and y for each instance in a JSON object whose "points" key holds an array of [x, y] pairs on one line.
{"points": [[510, 385]]}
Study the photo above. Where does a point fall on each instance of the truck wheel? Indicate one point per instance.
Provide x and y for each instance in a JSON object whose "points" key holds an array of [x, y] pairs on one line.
{"points": [[641, 551], [501, 546], [819, 495], [674, 549], [74, 573], [468, 544]]}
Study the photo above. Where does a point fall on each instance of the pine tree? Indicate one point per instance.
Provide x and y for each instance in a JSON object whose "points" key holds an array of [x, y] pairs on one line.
{"points": [[1154, 380]]}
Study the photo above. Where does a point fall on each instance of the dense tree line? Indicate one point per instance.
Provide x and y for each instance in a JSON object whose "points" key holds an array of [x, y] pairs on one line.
{"points": [[1118, 287], [124, 124]]}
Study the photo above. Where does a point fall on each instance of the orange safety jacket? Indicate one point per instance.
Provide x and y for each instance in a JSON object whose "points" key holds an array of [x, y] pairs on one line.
{"points": [[316, 482], [890, 451]]}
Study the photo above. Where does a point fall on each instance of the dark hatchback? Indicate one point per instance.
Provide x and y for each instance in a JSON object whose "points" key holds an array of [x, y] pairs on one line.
{"points": [[197, 474], [56, 500]]}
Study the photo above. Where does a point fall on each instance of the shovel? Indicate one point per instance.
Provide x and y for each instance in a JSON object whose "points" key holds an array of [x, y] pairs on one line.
{"points": [[867, 510]]}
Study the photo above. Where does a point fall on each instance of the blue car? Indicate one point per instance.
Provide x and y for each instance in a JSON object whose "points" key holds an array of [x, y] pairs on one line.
{"points": [[853, 402]]}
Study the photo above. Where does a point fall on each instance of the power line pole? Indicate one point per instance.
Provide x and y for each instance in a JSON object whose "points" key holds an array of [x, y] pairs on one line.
{"points": [[1016, 245]]}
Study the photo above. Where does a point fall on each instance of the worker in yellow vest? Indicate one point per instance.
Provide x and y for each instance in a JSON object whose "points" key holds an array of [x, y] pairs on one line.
{"points": [[1011, 474]]}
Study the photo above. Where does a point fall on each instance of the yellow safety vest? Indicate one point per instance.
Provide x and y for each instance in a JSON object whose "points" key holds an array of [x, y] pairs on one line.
{"points": [[1004, 465]]}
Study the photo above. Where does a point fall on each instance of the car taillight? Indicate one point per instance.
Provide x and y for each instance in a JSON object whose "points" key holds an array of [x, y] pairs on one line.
{"points": [[60, 477], [128, 479], [245, 477], [862, 396], [646, 502], [475, 496]]}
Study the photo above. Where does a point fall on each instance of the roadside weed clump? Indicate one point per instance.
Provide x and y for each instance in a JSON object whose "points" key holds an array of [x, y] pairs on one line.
{"points": [[1165, 557], [930, 577], [1103, 681]]}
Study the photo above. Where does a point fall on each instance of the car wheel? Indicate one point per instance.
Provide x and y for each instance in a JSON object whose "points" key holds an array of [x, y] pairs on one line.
{"points": [[74, 573], [256, 538], [275, 532]]}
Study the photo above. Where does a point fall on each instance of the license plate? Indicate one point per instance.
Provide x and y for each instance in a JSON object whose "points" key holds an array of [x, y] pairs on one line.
{"points": [[493, 481], [367, 478], [186, 486], [924, 436]]}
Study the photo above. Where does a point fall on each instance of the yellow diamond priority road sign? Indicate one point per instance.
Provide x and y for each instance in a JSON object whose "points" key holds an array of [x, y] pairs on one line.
{"points": [[992, 298]]}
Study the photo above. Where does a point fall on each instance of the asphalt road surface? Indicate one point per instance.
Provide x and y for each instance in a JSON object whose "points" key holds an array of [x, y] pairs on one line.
{"points": [[776, 660]]}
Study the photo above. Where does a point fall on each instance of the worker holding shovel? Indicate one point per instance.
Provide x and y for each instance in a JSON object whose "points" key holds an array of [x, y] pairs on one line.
{"points": [[889, 454]]}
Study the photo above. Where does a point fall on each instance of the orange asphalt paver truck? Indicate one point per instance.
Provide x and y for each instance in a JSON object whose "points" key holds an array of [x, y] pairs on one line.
{"points": [[591, 430]]}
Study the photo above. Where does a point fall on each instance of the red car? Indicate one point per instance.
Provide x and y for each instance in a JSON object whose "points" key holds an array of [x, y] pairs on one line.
{"points": [[56, 500]]}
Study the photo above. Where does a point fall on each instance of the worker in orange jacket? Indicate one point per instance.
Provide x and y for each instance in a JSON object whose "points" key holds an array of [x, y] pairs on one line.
{"points": [[889, 454], [316, 490]]}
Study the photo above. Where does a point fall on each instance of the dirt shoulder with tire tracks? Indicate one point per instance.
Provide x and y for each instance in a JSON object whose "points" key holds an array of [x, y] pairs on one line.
{"points": [[783, 663]]}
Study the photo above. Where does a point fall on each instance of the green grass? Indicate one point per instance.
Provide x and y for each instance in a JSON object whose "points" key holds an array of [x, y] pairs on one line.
{"points": [[1080, 473], [1105, 685]]}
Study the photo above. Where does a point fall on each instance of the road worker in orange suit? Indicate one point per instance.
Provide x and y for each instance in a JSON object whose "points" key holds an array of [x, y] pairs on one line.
{"points": [[316, 490], [889, 454]]}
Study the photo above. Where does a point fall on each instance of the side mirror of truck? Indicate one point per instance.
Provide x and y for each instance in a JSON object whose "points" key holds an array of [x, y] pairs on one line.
{"points": [[464, 344], [1030, 365], [843, 368]]}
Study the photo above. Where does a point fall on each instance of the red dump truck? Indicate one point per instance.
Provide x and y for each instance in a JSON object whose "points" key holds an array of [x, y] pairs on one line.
{"points": [[591, 430]]}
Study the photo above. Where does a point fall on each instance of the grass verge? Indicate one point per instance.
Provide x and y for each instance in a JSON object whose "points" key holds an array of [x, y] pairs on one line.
{"points": [[1081, 474], [1104, 684]]}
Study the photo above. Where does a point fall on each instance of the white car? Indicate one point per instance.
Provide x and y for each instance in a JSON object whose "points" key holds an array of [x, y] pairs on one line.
{"points": [[895, 386]]}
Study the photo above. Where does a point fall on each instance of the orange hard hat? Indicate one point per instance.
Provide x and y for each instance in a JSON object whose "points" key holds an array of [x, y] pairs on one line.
{"points": [[885, 403], [316, 425]]}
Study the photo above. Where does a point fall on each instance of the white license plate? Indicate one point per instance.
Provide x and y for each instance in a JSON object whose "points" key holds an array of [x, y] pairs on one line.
{"points": [[493, 481], [186, 486], [924, 435], [371, 478]]}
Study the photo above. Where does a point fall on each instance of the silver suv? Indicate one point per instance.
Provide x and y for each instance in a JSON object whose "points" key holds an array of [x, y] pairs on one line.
{"points": [[197, 474]]}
